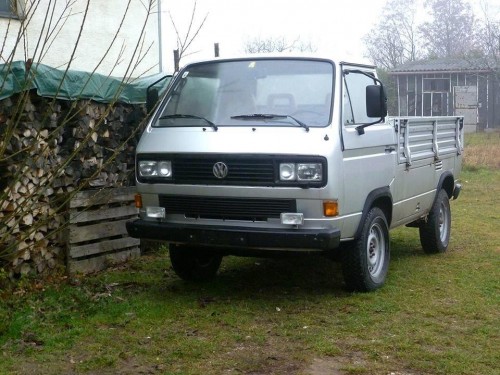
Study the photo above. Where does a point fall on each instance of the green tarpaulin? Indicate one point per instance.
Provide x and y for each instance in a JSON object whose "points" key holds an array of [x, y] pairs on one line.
{"points": [[75, 85]]}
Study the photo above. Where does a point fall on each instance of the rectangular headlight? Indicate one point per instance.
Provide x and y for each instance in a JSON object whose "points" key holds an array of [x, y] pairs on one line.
{"points": [[309, 172], [301, 172], [155, 168], [148, 168]]}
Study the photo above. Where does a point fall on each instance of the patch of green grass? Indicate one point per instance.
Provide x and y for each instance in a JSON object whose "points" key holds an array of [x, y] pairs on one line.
{"points": [[482, 151], [436, 314]]}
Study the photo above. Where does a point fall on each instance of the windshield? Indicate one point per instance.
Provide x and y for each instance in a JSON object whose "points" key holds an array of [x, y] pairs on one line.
{"points": [[279, 92]]}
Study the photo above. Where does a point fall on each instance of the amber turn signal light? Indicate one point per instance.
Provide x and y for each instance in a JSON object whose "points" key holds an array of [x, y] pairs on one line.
{"points": [[330, 208], [138, 200]]}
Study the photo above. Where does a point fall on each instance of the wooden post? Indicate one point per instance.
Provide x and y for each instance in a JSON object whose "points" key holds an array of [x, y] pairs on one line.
{"points": [[176, 60]]}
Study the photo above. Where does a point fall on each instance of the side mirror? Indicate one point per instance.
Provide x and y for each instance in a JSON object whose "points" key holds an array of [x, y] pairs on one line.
{"points": [[151, 99], [376, 101]]}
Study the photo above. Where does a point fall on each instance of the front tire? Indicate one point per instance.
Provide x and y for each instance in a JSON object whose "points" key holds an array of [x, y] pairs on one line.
{"points": [[366, 261], [435, 231], [193, 263]]}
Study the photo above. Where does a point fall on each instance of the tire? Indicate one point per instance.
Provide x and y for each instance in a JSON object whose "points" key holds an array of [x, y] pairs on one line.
{"points": [[366, 260], [435, 231], [192, 263]]}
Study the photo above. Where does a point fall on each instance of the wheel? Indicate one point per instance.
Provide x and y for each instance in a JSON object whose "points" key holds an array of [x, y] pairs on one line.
{"points": [[194, 263], [435, 231], [366, 260]]}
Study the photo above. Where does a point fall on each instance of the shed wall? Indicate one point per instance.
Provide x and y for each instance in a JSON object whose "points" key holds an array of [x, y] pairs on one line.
{"points": [[61, 25], [433, 94]]}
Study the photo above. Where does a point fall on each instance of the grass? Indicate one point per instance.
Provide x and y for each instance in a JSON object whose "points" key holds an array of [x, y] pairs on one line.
{"points": [[436, 314], [482, 151]]}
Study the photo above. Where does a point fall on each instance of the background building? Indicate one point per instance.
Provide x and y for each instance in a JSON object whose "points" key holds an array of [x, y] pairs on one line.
{"points": [[445, 87], [111, 37]]}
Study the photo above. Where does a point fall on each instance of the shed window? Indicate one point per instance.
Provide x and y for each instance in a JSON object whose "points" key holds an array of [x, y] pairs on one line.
{"points": [[436, 84], [411, 84]]}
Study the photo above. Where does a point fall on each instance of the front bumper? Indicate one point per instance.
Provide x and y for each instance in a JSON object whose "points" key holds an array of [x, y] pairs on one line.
{"points": [[279, 239]]}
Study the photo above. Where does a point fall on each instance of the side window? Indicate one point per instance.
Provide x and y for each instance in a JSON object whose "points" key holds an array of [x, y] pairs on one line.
{"points": [[347, 107], [354, 106], [8, 9]]}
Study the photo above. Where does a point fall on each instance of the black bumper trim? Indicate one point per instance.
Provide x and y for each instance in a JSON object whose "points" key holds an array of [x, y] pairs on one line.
{"points": [[317, 239]]}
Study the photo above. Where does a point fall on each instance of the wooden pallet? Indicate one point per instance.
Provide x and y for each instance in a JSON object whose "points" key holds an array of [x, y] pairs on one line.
{"points": [[96, 236]]}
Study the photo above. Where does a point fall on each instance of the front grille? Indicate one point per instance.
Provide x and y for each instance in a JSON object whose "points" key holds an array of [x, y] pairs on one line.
{"points": [[223, 208], [241, 171]]}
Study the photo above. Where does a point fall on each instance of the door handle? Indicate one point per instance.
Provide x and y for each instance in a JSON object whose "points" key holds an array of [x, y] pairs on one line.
{"points": [[390, 149]]}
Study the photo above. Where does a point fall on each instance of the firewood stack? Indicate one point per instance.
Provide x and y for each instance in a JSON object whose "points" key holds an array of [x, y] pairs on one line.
{"points": [[49, 150]]}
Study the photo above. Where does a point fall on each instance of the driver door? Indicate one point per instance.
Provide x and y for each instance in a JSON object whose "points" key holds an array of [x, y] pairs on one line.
{"points": [[370, 158]]}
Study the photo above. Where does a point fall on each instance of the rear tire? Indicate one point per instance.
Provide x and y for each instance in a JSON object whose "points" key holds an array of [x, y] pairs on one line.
{"points": [[193, 263], [366, 260], [435, 231]]}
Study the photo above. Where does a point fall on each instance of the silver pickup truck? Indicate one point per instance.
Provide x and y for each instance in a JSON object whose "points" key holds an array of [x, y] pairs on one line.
{"points": [[270, 155]]}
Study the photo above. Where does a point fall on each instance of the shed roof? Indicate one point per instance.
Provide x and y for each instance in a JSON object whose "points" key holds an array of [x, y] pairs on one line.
{"points": [[443, 65]]}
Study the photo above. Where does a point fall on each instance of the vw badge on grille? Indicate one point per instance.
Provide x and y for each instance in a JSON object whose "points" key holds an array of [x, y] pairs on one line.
{"points": [[220, 170]]}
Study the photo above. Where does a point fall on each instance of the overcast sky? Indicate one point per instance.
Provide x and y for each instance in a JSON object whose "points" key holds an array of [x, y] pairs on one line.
{"points": [[333, 27]]}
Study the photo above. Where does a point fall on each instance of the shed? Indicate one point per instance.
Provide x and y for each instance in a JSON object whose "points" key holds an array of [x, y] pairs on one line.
{"points": [[448, 87]]}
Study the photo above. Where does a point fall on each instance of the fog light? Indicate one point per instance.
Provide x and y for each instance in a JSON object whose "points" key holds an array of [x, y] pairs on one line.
{"points": [[292, 218], [155, 212]]}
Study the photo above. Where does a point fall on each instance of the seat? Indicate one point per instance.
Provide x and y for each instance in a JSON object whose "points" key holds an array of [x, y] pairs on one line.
{"points": [[237, 102], [282, 104]]}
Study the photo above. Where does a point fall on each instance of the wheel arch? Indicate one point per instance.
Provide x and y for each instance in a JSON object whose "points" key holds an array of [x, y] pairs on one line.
{"points": [[381, 198], [446, 182]]}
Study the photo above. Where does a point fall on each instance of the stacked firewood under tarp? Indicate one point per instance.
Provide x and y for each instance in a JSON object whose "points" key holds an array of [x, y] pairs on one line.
{"points": [[49, 150]]}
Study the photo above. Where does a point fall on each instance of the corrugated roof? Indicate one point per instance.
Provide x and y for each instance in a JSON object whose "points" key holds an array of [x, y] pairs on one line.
{"points": [[442, 65]]}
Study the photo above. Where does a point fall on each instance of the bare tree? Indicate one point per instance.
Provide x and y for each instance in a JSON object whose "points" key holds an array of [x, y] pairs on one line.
{"points": [[488, 38], [277, 44], [185, 41], [395, 40], [450, 30]]}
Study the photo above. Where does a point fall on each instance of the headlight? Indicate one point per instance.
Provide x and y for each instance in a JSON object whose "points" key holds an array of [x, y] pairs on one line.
{"points": [[301, 172], [287, 172], [165, 169], [148, 168], [153, 168], [309, 172]]}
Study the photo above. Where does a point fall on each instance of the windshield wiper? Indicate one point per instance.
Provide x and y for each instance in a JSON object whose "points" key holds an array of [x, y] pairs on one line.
{"points": [[179, 115], [265, 116]]}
